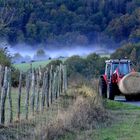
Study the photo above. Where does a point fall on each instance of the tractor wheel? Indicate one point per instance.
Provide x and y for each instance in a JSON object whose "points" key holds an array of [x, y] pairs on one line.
{"points": [[132, 97], [136, 97], [110, 91], [102, 87], [129, 97]]}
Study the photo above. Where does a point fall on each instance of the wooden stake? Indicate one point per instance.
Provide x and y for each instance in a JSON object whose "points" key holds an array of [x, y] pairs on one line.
{"points": [[38, 78], [3, 97], [9, 96], [1, 79], [27, 93], [33, 91], [50, 86], [19, 95]]}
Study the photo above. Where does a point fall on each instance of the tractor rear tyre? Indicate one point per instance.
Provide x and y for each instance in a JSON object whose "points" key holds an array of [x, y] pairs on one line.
{"points": [[136, 97], [110, 91], [132, 97], [102, 87], [129, 97]]}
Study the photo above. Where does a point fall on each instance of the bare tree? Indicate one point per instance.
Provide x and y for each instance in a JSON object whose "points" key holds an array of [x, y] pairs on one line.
{"points": [[6, 14]]}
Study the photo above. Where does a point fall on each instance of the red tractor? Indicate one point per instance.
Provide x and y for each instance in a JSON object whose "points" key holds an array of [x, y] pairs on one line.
{"points": [[114, 72]]}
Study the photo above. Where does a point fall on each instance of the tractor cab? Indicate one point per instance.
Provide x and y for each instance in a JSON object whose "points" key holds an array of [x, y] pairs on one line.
{"points": [[116, 71], [120, 67]]}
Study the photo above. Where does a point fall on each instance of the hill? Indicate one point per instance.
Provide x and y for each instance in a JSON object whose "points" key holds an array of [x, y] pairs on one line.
{"points": [[70, 22]]}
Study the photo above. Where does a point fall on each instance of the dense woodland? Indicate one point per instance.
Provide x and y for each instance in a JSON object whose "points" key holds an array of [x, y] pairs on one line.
{"points": [[68, 22], [74, 22]]}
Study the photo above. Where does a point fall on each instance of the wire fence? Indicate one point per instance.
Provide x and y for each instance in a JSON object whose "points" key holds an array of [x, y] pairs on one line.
{"points": [[42, 87]]}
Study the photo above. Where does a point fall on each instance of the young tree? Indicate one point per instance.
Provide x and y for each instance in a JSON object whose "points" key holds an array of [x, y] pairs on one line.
{"points": [[133, 56], [40, 55], [5, 58], [6, 14]]}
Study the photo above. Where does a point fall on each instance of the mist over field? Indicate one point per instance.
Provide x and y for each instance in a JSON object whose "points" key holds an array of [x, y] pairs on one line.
{"points": [[65, 52], [28, 52]]}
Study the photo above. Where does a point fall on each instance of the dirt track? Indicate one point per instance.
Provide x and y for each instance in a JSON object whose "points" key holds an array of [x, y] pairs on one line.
{"points": [[122, 99]]}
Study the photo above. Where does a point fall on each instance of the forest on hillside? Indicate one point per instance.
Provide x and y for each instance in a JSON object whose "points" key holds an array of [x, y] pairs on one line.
{"points": [[69, 22]]}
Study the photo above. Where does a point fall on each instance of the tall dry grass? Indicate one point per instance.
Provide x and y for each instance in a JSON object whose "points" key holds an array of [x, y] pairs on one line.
{"points": [[86, 113], [79, 109]]}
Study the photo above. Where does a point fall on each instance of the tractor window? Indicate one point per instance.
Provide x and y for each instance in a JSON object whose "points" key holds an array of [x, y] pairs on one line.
{"points": [[114, 67], [108, 71], [123, 68]]}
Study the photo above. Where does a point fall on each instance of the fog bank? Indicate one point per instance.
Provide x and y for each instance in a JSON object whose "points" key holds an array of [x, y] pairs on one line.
{"points": [[29, 52]]}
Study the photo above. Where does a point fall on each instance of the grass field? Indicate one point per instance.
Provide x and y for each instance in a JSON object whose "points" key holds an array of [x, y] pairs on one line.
{"points": [[125, 125], [14, 96], [125, 122], [25, 66]]}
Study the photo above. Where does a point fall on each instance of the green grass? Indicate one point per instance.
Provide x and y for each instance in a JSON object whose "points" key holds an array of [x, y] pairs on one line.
{"points": [[27, 129], [114, 105], [125, 124], [14, 96], [25, 66]]}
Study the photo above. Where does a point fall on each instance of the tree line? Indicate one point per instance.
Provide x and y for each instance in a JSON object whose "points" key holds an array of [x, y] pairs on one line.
{"points": [[69, 22], [130, 51]]}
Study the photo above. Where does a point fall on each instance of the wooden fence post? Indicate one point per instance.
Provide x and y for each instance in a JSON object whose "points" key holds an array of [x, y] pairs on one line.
{"points": [[27, 93], [50, 85], [33, 91], [38, 78], [60, 79], [1, 79], [47, 89], [43, 92], [53, 85], [64, 70], [57, 83], [3, 97], [9, 96], [19, 94]]}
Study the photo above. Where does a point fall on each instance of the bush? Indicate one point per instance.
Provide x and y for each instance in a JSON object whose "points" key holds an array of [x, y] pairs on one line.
{"points": [[5, 58], [75, 64], [54, 63], [89, 67]]}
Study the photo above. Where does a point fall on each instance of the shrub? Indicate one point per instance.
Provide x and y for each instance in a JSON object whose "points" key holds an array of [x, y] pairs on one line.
{"points": [[89, 67], [5, 58]]}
